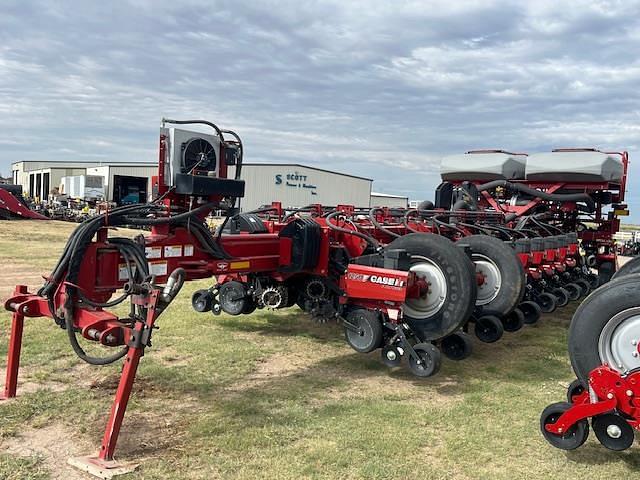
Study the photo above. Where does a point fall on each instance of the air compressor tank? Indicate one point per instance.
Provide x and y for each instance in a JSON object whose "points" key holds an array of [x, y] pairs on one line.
{"points": [[483, 165], [574, 165]]}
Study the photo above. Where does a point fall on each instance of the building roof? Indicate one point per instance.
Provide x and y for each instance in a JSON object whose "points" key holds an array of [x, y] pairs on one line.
{"points": [[299, 165], [42, 164], [387, 195]]}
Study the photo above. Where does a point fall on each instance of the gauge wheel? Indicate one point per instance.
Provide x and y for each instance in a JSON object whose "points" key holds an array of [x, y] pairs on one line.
{"points": [[430, 360], [575, 436]]}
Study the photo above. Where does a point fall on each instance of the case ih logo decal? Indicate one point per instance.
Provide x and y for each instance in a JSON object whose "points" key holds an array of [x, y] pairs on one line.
{"points": [[379, 279]]}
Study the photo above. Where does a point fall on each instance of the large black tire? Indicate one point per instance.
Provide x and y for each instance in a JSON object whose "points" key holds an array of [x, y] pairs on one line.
{"points": [[592, 316], [606, 270], [490, 252], [457, 276], [631, 267]]}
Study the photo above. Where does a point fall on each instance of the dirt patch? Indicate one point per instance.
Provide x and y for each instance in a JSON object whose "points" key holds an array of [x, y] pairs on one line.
{"points": [[22, 273], [54, 444]]}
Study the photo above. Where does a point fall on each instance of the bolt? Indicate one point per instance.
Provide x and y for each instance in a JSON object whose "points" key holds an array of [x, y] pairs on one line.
{"points": [[635, 354], [629, 393], [614, 431], [634, 342], [609, 396], [560, 430], [391, 355]]}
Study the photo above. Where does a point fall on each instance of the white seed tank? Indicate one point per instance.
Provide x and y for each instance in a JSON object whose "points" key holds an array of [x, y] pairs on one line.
{"points": [[483, 165], [574, 166]]}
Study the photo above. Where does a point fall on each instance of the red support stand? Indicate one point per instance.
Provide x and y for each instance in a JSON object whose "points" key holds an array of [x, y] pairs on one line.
{"points": [[13, 355], [102, 465]]}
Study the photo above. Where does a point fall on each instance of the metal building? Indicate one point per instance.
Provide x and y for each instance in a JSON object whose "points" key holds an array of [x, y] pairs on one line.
{"points": [[386, 200], [126, 183], [39, 178], [296, 185]]}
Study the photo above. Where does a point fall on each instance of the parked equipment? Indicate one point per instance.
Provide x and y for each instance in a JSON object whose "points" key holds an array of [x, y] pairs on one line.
{"points": [[487, 257]]}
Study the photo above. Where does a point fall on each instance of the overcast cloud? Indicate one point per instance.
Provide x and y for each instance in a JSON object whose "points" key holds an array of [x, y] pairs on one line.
{"points": [[379, 89]]}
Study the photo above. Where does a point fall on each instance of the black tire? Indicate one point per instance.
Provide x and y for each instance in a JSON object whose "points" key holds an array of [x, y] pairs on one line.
{"points": [[606, 270], [547, 302], [232, 297], [562, 296], [593, 280], [369, 336], [457, 346], [621, 440], [632, 266], [202, 300], [575, 291], [574, 389], [569, 440], [488, 329], [459, 279], [513, 321], [585, 285], [430, 357], [592, 316], [505, 258], [531, 311]]}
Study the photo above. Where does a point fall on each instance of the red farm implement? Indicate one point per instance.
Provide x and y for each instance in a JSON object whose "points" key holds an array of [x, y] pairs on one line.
{"points": [[488, 255]]}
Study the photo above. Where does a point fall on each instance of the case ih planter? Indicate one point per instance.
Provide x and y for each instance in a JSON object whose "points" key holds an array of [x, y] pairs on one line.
{"points": [[486, 256]]}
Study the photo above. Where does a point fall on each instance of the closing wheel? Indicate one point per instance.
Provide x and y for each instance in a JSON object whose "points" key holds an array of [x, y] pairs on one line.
{"points": [[531, 311], [488, 329], [391, 356], [202, 300], [585, 285], [547, 302], [593, 280], [613, 431], [606, 328], [574, 291], [575, 436], [363, 330], [428, 362], [562, 296], [513, 321], [575, 389], [457, 346], [499, 273], [451, 294]]}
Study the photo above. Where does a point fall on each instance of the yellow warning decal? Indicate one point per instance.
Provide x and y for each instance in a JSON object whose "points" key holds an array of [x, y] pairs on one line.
{"points": [[621, 213], [239, 265]]}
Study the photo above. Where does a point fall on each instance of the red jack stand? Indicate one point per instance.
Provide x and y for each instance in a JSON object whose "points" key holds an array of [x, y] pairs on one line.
{"points": [[102, 465], [13, 354]]}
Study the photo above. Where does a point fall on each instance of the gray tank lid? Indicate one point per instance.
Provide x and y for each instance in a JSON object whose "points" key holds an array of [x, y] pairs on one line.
{"points": [[483, 165], [576, 165]]}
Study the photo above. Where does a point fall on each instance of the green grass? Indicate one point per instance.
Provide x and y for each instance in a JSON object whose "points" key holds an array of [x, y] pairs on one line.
{"points": [[273, 395]]}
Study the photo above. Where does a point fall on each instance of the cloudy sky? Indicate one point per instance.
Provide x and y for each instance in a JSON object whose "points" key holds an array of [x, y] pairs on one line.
{"points": [[374, 88]]}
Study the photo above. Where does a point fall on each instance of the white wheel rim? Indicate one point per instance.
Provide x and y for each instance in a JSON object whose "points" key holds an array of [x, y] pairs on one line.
{"points": [[429, 304], [490, 288], [618, 342]]}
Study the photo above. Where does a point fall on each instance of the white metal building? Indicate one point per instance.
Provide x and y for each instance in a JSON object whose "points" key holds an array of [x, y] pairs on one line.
{"points": [[128, 183], [292, 184], [39, 178], [296, 185], [386, 200]]}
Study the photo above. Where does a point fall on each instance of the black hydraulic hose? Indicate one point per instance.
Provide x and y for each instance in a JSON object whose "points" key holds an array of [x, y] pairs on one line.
{"points": [[191, 122], [554, 197], [370, 240], [171, 219], [374, 221], [241, 157]]}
